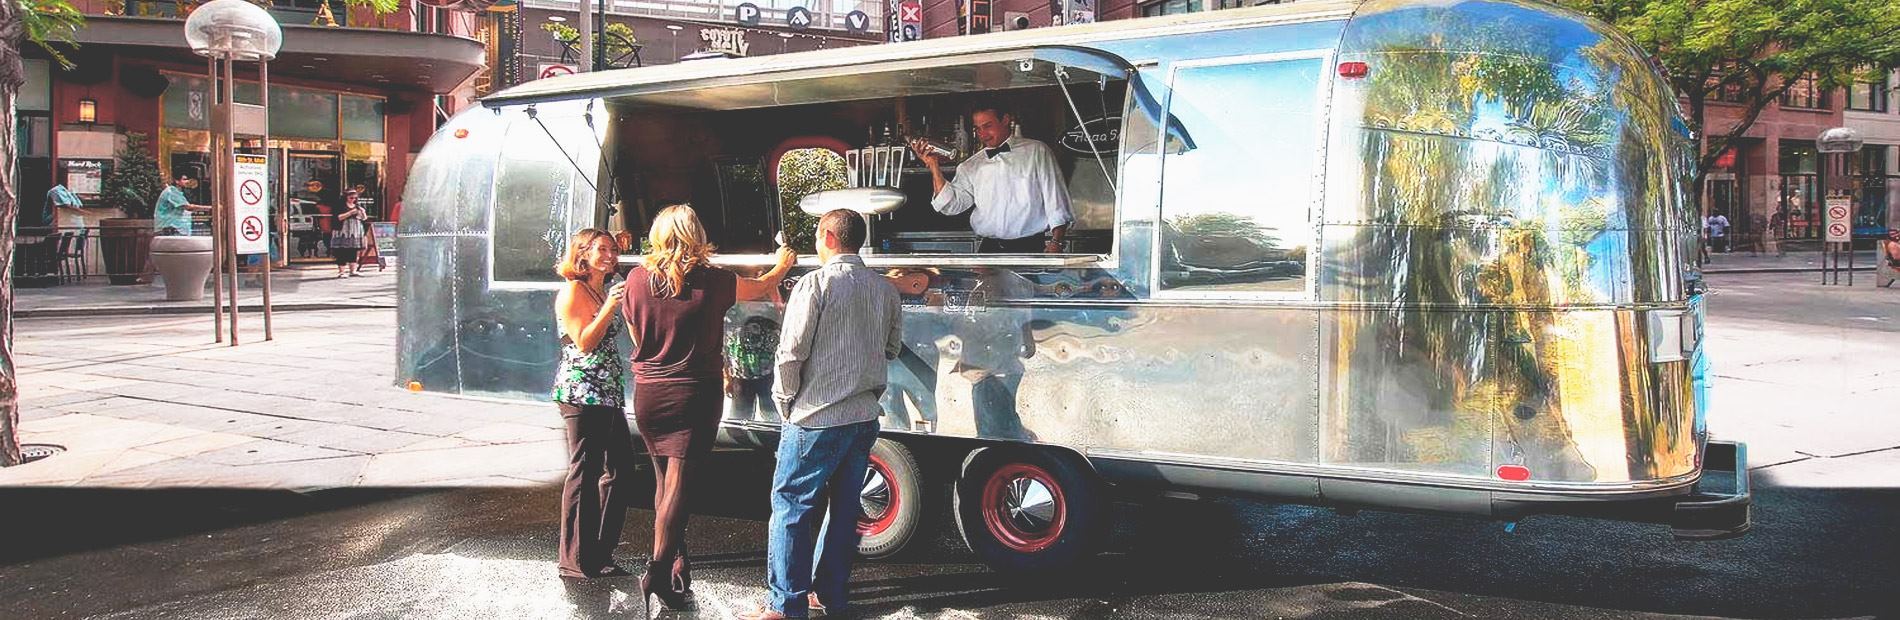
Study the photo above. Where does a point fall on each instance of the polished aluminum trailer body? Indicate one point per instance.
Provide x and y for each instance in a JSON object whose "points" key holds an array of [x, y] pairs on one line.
{"points": [[1496, 313]]}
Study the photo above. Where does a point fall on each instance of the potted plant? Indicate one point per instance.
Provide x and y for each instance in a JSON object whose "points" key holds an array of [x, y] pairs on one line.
{"points": [[132, 187]]}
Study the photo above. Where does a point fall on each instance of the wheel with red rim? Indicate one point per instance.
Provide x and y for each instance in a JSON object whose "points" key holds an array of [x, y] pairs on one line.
{"points": [[1025, 510], [891, 503]]}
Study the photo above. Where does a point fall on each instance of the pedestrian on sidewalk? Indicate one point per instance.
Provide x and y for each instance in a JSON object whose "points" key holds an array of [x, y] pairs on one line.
{"points": [[1888, 265], [1718, 231], [590, 390], [347, 238], [171, 215], [841, 330], [675, 308]]}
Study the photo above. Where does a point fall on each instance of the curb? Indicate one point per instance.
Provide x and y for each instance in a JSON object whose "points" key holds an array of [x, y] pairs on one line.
{"points": [[1777, 270], [93, 311]]}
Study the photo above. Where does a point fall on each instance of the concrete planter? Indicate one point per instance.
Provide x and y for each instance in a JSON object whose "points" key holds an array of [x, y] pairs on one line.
{"points": [[185, 263]]}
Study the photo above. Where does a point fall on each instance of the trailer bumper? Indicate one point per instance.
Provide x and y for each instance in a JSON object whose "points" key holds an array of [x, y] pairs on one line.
{"points": [[1720, 506]]}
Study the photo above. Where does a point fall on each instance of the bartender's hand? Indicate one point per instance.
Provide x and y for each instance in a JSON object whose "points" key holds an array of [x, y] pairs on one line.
{"points": [[919, 146], [1052, 246]]}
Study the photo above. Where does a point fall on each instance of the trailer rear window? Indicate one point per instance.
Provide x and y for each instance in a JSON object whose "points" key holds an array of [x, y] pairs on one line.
{"points": [[1237, 200]]}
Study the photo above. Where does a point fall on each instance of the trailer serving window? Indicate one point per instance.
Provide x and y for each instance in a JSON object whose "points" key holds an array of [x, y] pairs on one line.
{"points": [[1237, 201], [743, 148]]}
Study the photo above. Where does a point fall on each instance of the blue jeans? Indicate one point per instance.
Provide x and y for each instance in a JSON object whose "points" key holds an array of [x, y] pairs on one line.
{"points": [[814, 463]]}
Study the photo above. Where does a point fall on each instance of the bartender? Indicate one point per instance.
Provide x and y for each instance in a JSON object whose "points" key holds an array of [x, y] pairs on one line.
{"points": [[1014, 184]]}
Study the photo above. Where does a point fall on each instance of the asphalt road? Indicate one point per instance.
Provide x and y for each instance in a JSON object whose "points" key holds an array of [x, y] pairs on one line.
{"points": [[1824, 542]]}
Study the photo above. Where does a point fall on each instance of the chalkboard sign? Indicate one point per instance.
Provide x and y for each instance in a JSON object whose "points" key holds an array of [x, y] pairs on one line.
{"points": [[385, 233]]}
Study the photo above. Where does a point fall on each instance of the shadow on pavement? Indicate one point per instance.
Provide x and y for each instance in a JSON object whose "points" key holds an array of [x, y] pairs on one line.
{"points": [[488, 552]]}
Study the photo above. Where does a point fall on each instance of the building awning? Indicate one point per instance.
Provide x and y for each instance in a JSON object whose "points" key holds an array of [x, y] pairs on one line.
{"points": [[381, 59]]}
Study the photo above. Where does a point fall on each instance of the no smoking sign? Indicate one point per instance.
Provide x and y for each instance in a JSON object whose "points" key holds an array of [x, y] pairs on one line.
{"points": [[252, 229], [249, 174]]}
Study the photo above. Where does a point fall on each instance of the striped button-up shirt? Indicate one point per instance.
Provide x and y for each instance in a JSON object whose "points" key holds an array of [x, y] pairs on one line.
{"points": [[842, 325]]}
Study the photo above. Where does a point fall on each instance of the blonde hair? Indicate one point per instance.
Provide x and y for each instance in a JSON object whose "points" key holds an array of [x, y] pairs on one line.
{"points": [[572, 265], [679, 245]]}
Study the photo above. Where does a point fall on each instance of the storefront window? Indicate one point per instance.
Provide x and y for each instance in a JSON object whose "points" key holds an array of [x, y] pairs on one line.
{"points": [[1236, 206], [1871, 179], [299, 113], [1799, 158], [362, 119]]}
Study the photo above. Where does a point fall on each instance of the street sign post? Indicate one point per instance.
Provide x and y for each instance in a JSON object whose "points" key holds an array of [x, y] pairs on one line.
{"points": [[1838, 229]]}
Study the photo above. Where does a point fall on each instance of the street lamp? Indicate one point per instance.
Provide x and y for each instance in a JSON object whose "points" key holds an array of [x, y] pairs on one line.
{"points": [[227, 32], [1837, 222], [676, 40]]}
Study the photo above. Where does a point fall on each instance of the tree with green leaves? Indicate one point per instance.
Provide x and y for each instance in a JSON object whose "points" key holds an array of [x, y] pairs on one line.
{"points": [[1751, 52], [47, 23], [135, 181], [619, 40]]}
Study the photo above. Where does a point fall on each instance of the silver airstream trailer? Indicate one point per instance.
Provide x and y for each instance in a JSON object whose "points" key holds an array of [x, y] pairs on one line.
{"points": [[1424, 255]]}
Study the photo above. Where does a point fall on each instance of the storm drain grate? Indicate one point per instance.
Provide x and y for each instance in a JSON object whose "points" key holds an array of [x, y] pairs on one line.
{"points": [[36, 451]]}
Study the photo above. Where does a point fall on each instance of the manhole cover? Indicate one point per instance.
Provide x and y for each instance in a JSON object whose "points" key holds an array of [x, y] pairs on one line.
{"points": [[36, 451]]}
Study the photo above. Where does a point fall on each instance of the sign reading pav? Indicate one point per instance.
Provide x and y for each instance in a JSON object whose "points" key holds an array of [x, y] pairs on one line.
{"points": [[251, 176]]}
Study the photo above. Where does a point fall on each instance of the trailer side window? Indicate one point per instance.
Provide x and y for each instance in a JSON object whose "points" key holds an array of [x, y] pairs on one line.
{"points": [[544, 190], [1236, 200]]}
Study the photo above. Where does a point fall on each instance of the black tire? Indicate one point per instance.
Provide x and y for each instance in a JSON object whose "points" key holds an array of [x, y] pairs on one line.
{"points": [[1065, 523], [893, 513]]}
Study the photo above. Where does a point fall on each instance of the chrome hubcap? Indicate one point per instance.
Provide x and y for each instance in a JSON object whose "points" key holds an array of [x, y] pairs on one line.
{"points": [[875, 499], [1029, 505]]}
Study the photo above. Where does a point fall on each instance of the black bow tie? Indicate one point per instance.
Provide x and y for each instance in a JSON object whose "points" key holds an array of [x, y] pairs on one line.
{"points": [[992, 153]]}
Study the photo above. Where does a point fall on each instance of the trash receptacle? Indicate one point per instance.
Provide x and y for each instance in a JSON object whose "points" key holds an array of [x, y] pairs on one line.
{"points": [[185, 263]]}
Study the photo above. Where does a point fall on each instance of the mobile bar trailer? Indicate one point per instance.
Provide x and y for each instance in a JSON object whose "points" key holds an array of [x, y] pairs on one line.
{"points": [[1405, 255]]}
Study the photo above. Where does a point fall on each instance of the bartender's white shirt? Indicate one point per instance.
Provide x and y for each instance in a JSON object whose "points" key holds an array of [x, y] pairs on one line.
{"points": [[1016, 194]]}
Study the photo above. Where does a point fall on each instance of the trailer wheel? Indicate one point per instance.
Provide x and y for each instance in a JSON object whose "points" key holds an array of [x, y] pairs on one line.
{"points": [[1030, 511], [892, 501]]}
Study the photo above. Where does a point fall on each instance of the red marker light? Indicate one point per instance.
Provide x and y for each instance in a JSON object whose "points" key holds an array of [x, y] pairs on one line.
{"points": [[1514, 473], [461, 133], [1354, 70]]}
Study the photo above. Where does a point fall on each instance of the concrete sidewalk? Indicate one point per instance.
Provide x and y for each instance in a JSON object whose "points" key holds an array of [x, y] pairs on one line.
{"points": [[151, 401], [301, 287]]}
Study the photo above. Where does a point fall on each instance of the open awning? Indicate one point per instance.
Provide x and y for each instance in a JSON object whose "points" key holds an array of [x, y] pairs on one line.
{"points": [[373, 58], [733, 84]]}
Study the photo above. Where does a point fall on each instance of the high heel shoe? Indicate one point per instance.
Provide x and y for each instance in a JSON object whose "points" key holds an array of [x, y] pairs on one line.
{"points": [[660, 582], [682, 574]]}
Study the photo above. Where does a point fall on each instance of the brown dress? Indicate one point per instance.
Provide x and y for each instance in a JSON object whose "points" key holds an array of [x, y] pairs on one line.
{"points": [[677, 359]]}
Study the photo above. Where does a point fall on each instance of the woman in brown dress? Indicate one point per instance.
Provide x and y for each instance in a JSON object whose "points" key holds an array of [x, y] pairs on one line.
{"points": [[675, 307]]}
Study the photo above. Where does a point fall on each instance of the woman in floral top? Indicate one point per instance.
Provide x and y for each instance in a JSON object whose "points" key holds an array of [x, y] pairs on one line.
{"points": [[590, 390]]}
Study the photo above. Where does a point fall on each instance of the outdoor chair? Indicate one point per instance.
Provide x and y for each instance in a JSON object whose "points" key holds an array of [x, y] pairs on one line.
{"points": [[62, 245], [72, 260]]}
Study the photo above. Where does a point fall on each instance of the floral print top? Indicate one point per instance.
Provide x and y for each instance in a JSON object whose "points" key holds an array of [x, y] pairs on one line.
{"points": [[596, 378]]}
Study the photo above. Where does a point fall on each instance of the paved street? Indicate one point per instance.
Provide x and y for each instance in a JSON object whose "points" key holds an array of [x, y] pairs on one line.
{"points": [[291, 479]]}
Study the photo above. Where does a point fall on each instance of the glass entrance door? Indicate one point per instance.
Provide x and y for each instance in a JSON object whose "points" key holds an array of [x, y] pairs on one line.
{"points": [[312, 190]]}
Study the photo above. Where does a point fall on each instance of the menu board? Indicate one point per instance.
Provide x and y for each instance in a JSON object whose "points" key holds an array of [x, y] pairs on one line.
{"points": [[85, 177], [385, 233]]}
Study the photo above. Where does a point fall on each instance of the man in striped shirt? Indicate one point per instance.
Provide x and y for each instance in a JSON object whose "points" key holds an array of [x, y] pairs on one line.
{"points": [[841, 329]]}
